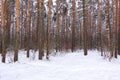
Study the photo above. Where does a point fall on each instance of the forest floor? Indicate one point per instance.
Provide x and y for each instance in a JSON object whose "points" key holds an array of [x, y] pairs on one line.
{"points": [[64, 66]]}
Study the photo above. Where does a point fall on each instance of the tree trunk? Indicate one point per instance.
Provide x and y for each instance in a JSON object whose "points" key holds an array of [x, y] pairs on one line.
{"points": [[117, 24], [48, 27], [41, 28], [84, 29], [119, 32], [17, 30], [108, 30], [100, 27], [28, 28], [4, 8], [57, 26], [73, 24]]}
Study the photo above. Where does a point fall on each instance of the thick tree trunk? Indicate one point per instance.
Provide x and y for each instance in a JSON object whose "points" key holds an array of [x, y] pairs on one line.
{"points": [[4, 8], [41, 28]]}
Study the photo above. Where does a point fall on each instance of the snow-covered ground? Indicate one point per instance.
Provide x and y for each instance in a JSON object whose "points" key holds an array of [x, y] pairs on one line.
{"points": [[68, 66]]}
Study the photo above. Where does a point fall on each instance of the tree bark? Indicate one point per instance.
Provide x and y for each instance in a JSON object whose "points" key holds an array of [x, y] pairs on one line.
{"points": [[48, 27], [57, 25], [117, 24], [17, 30], [28, 28], [84, 29], [73, 24], [41, 28], [4, 8]]}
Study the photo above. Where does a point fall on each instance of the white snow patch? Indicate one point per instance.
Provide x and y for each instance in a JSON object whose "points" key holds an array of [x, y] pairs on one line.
{"points": [[68, 66]]}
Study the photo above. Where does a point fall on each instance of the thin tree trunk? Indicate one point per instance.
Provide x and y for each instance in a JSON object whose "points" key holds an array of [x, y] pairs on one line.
{"points": [[117, 24], [48, 27], [100, 27], [84, 29], [57, 26], [119, 32], [28, 27], [73, 24]]}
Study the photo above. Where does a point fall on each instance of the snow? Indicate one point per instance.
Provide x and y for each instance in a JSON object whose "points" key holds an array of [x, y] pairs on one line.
{"points": [[63, 66]]}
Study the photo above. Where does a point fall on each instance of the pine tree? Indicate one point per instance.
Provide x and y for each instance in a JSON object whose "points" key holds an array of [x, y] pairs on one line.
{"points": [[118, 32], [41, 28], [4, 13], [117, 24], [28, 27], [84, 29], [73, 24], [49, 27], [57, 25], [17, 30], [108, 30], [100, 27]]}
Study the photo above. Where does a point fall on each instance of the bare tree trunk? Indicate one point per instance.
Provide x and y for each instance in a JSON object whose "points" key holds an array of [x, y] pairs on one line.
{"points": [[100, 27], [28, 27], [80, 26], [117, 24], [57, 26], [48, 27], [63, 25], [41, 28], [66, 28], [17, 30], [84, 29], [3, 32], [4, 10], [119, 31], [73, 24], [87, 27], [108, 29], [113, 29]]}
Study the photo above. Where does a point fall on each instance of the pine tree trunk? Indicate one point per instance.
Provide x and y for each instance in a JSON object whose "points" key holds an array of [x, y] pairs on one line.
{"points": [[100, 27], [48, 27], [4, 8], [84, 29], [108, 30], [57, 26], [28, 28], [73, 24], [41, 28], [117, 24], [119, 32], [17, 30], [66, 28], [113, 28]]}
